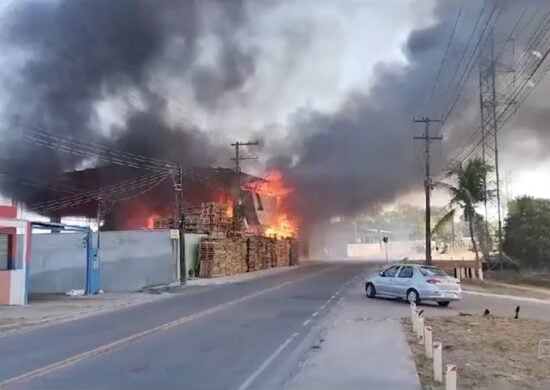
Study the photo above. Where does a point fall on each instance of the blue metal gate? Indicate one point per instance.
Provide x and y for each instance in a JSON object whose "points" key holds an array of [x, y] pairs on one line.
{"points": [[92, 253]]}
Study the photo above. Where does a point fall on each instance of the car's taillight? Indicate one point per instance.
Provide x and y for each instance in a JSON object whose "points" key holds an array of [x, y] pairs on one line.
{"points": [[433, 281]]}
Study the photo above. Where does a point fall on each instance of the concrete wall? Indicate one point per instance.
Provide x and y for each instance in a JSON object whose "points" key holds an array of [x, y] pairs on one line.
{"points": [[130, 260], [413, 250]]}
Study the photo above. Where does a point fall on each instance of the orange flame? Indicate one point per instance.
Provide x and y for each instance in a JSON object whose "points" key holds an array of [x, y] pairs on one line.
{"points": [[281, 224], [151, 221], [273, 185], [226, 199]]}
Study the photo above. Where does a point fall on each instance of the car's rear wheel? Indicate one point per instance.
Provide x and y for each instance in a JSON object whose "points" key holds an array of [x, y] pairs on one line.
{"points": [[443, 303], [370, 290], [412, 296]]}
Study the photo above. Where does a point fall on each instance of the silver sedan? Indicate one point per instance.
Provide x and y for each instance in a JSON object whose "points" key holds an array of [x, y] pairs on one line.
{"points": [[414, 283]]}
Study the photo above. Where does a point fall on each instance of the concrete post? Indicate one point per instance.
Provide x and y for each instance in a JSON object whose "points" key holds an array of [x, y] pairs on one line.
{"points": [[420, 331], [450, 377], [428, 343], [414, 316], [438, 361]]}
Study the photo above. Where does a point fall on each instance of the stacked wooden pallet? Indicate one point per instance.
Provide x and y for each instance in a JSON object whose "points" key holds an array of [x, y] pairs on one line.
{"points": [[163, 223], [280, 253], [294, 252], [207, 218], [222, 257], [230, 256], [258, 253]]}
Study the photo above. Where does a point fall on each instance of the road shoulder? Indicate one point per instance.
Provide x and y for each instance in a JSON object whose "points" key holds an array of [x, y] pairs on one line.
{"points": [[60, 308], [355, 350]]}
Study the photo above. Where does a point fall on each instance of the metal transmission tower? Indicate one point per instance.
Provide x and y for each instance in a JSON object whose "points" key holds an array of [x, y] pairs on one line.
{"points": [[427, 138], [237, 201], [493, 73]]}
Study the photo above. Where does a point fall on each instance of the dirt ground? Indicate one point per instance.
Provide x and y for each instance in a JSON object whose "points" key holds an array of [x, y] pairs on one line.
{"points": [[490, 352]]}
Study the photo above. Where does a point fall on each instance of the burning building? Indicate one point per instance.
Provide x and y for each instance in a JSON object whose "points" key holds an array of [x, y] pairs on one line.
{"points": [[125, 198]]}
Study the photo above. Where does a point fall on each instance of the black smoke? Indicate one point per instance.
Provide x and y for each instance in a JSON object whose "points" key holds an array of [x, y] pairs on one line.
{"points": [[80, 52], [345, 162], [76, 53], [364, 153]]}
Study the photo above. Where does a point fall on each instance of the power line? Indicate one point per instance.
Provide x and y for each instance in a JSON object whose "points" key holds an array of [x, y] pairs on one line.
{"points": [[466, 48], [104, 193], [444, 58], [463, 150], [510, 38], [468, 69], [86, 149]]}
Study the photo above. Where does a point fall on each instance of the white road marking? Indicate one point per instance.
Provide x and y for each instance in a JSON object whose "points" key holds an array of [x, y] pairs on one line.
{"points": [[510, 297], [41, 371], [322, 307], [332, 297], [266, 363], [306, 322], [315, 314]]}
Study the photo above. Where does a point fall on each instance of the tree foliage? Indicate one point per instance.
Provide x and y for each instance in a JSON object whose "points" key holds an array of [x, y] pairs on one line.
{"points": [[466, 186], [405, 217], [527, 231]]}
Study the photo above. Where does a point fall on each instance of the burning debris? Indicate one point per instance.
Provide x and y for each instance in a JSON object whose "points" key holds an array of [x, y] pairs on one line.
{"points": [[274, 211]]}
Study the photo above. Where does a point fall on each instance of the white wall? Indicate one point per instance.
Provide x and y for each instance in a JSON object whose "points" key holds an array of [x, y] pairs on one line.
{"points": [[130, 260]]}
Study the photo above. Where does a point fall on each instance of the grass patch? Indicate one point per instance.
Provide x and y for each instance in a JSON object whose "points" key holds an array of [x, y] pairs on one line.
{"points": [[490, 352]]}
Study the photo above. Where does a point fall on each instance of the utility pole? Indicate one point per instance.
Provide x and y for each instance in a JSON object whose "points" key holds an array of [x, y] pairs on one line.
{"points": [[427, 138], [180, 209], [237, 214]]}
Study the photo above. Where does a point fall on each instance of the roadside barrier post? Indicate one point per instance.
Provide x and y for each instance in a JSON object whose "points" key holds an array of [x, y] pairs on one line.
{"points": [[414, 318], [420, 331], [428, 343], [438, 361], [413, 315], [450, 377]]}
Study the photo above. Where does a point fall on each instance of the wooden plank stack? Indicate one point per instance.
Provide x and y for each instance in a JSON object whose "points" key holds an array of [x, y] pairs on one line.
{"points": [[294, 252], [258, 253], [281, 253], [163, 223], [222, 257], [210, 217], [230, 256]]}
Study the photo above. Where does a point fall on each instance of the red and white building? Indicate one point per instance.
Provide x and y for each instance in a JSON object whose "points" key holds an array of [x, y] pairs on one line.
{"points": [[13, 268]]}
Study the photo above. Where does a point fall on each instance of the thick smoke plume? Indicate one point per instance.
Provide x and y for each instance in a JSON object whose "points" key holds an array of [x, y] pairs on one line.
{"points": [[363, 154], [71, 55], [102, 70]]}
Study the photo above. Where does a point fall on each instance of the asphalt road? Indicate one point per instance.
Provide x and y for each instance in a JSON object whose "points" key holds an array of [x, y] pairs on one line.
{"points": [[240, 336], [249, 335]]}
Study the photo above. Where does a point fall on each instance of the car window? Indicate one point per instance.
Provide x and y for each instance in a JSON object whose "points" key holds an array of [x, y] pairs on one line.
{"points": [[390, 272], [406, 272], [432, 271]]}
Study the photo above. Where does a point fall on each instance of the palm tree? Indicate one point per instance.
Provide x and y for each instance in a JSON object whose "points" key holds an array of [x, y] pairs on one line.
{"points": [[466, 186]]}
